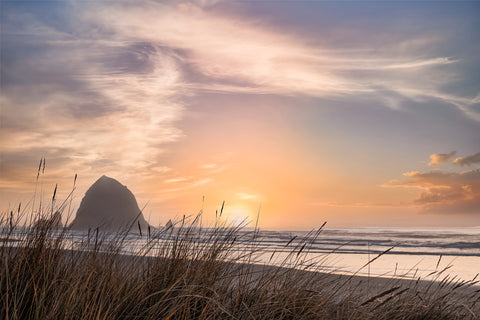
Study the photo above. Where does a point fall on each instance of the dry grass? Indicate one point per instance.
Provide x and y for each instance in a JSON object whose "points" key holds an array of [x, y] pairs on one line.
{"points": [[190, 272]]}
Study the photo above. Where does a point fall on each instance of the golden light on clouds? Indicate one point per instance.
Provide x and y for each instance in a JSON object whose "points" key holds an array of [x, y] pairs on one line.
{"points": [[310, 112]]}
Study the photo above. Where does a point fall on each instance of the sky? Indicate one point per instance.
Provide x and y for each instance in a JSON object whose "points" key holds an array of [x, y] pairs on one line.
{"points": [[358, 113]]}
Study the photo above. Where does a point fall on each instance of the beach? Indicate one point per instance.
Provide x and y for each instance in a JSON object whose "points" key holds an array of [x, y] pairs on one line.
{"points": [[205, 277]]}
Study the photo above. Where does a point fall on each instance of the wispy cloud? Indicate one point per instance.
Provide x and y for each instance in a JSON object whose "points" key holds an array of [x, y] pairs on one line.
{"points": [[112, 88], [209, 166], [183, 184], [248, 196], [175, 180], [104, 88], [239, 54], [113, 101]]}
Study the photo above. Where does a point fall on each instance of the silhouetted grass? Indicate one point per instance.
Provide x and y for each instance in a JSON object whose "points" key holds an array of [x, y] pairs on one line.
{"points": [[191, 272]]}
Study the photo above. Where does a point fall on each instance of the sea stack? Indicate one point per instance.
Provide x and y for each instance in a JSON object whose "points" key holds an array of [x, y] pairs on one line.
{"points": [[109, 205]]}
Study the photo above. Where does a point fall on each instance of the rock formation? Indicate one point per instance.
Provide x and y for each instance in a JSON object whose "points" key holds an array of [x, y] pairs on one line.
{"points": [[108, 204], [53, 222]]}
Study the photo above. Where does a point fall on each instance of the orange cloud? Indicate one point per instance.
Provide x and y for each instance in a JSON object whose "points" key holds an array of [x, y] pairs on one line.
{"points": [[444, 192], [439, 158], [471, 159]]}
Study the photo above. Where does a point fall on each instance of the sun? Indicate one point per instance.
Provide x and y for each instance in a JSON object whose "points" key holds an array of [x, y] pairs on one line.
{"points": [[239, 214]]}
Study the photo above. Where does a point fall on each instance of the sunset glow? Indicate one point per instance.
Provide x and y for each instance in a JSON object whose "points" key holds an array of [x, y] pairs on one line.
{"points": [[355, 113]]}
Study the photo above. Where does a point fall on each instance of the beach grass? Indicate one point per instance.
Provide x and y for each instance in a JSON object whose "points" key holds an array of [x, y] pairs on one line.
{"points": [[187, 271]]}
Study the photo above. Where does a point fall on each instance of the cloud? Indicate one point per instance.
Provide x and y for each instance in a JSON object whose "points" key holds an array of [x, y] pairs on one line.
{"points": [[227, 52], [444, 192], [113, 102], [178, 179], [185, 183], [209, 166], [131, 64], [471, 159], [110, 80], [248, 196], [439, 158]]}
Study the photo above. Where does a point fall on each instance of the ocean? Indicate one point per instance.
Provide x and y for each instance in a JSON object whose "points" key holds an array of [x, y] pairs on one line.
{"points": [[412, 252], [386, 252]]}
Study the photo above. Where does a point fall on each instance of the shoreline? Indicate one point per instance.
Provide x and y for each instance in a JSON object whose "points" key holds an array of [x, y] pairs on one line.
{"points": [[196, 275], [258, 267], [361, 283]]}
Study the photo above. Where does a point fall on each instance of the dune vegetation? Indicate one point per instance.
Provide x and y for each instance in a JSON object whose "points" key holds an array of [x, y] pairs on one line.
{"points": [[186, 271]]}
